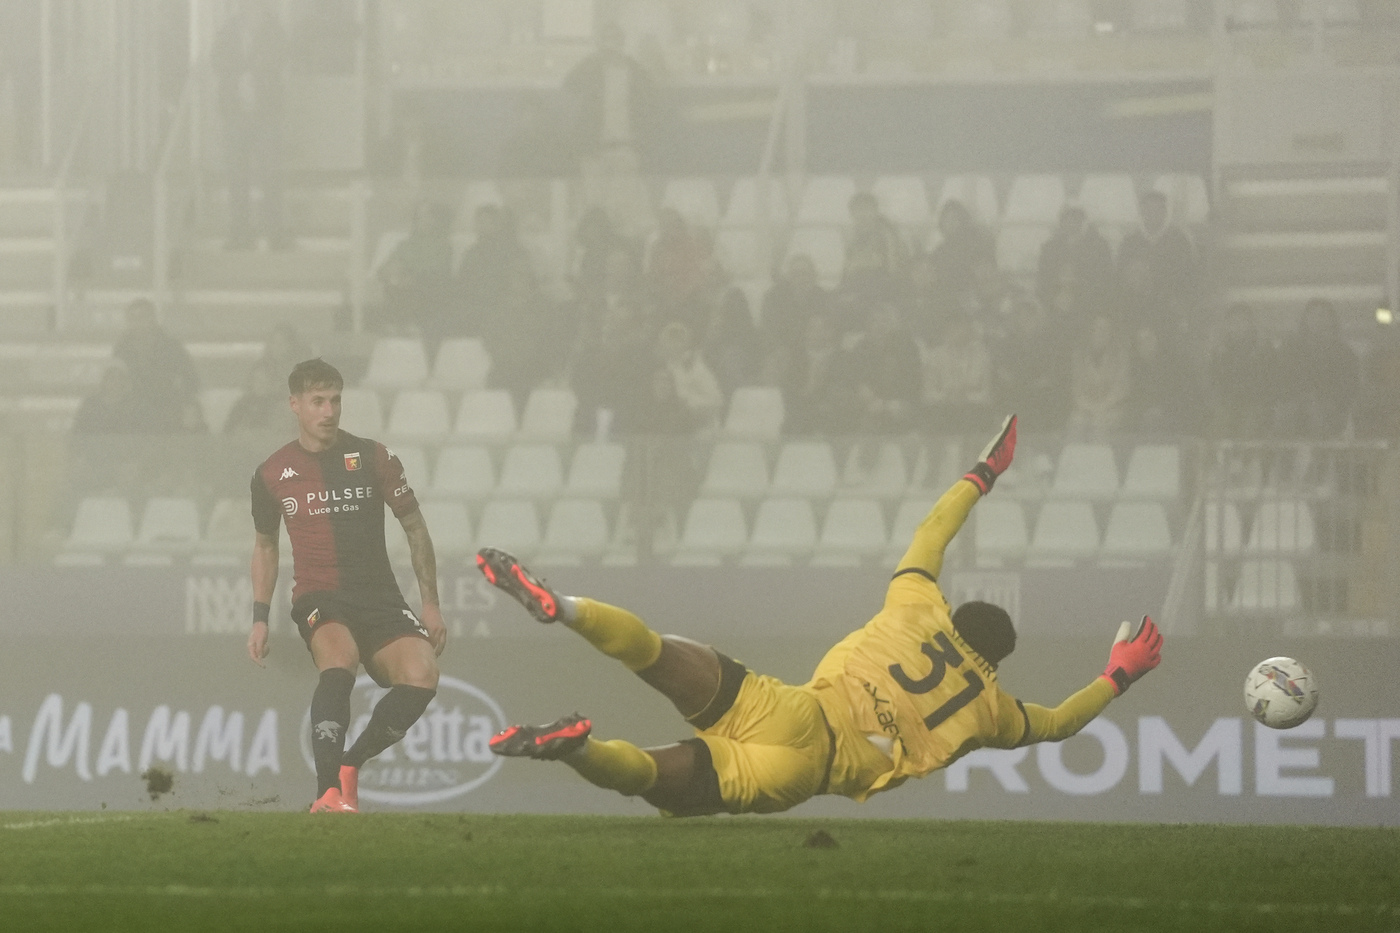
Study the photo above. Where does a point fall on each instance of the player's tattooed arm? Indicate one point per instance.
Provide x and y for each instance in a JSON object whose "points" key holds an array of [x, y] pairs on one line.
{"points": [[420, 549]]}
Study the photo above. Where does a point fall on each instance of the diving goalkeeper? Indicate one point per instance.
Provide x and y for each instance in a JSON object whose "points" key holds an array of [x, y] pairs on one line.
{"points": [[910, 692]]}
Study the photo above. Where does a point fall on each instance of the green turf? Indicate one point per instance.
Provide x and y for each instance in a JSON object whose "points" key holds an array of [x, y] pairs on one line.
{"points": [[276, 871]]}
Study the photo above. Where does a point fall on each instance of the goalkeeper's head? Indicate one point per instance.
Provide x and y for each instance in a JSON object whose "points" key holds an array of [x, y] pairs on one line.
{"points": [[987, 629]]}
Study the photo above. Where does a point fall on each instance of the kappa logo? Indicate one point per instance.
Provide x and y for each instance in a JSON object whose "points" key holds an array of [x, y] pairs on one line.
{"points": [[352, 461], [289, 505], [288, 473], [444, 755]]}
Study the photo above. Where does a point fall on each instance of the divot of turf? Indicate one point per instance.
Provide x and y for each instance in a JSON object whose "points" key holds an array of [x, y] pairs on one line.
{"points": [[158, 781], [821, 839], [200, 817]]}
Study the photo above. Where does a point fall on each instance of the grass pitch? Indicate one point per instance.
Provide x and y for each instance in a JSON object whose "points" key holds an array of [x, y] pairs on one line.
{"points": [[185, 870]]}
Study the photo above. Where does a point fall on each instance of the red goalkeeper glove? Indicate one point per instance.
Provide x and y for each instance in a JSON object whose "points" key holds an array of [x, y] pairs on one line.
{"points": [[1133, 657], [995, 458]]}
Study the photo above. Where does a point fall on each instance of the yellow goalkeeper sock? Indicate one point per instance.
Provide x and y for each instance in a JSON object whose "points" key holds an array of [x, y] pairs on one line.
{"points": [[616, 765], [616, 632]]}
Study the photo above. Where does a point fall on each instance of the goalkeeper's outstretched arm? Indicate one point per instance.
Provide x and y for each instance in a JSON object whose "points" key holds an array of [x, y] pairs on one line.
{"points": [[936, 531], [1129, 660]]}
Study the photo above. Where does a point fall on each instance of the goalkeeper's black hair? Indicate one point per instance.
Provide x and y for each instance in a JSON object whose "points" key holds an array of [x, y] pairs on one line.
{"points": [[987, 629]]}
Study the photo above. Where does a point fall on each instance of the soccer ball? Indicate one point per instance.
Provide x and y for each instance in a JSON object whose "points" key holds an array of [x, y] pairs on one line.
{"points": [[1280, 693]]}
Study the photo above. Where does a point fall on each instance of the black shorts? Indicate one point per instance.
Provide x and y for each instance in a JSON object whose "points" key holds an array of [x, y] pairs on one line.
{"points": [[373, 620]]}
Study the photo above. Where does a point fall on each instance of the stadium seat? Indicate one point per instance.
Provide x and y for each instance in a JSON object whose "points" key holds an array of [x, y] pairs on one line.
{"points": [[415, 465], [1061, 19], [228, 537], [1018, 248], [215, 404], [741, 254], [462, 365], [826, 200], [549, 415], [531, 470], [1159, 15], [577, 528], [980, 19], [1110, 200], [755, 412], [743, 209], [421, 414], [1035, 200], [1330, 12], [852, 528], [736, 468], [1281, 525], [713, 528], [907, 518], [1154, 472], [361, 412], [486, 414], [479, 193], [1188, 196], [695, 199], [449, 526], [878, 473], [826, 245], [169, 522], [1223, 534], [596, 470], [464, 471], [804, 468], [1064, 532], [1136, 530], [1001, 536], [903, 199], [1266, 584], [101, 522], [510, 524], [1086, 471], [396, 363], [978, 193], [1254, 13], [784, 528]]}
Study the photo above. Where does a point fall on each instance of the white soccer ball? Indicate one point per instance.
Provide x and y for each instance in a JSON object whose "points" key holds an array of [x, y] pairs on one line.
{"points": [[1280, 693]]}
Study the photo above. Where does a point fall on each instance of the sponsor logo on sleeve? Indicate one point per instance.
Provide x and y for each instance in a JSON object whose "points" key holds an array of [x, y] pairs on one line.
{"points": [[352, 461]]}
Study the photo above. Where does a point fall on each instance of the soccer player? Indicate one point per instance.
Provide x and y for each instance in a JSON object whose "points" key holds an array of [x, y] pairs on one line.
{"points": [[331, 487], [910, 692]]}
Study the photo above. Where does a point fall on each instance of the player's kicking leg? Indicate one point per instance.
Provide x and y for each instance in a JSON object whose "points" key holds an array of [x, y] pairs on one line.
{"points": [[686, 672]]}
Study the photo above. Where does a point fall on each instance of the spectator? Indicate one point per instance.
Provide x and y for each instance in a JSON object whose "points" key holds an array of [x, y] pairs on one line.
{"points": [[1030, 372], [417, 276], [112, 408], [685, 396], [729, 345], [1075, 252], [1173, 275], [817, 393], [597, 243], [795, 298], [1100, 382], [613, 115], [957, 380], [676, 265], [885, 372], [1323, 376], [491, 267], [263, 405], [249, 62], [612, 372], [875, 252], [526, 338], [1378, 413], [1242, 378], [964, 245], [929, 313], [1163, 398], [162, 375]]}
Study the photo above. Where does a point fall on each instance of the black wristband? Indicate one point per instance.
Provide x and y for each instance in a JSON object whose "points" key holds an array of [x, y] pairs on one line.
{"points": [[261, 612]]}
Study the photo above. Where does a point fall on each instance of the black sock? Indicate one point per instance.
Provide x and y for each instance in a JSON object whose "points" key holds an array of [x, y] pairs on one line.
{"points": [[330, 717], [389, 722]]}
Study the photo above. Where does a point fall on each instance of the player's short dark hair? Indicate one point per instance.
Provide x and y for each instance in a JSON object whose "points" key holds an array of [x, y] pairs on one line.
{"points": [[987, 629], [314, 374]]}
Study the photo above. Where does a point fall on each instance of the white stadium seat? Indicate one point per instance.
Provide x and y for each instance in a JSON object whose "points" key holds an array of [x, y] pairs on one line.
{"points": [[1110, 200], [736, 468], [978, 193], [1154, 472], [713, 528], [1001, 535], [531, 470], [695, 199], [462, 365], [1034, 199], [596, 470], [740, 253], [903, 199], [1188, 198], [486, 414], [1086, 471], [549, 415], [755, 412], [396, 363], [414, 460], [464, 471], [215, 404], [852, 527], [826, 200], [881, 473], [744, 205], [907, 518], [169, 522], [421, 414], [785, 527], [576, 527], [1136, 530], [1018, 247], [510, 524], [102, 522], [826, 245], [804, 468], [1064, 532], [361, 412], [449, 526]]}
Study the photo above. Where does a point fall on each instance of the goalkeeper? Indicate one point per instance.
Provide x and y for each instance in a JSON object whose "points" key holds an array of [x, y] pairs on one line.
{"points": [[910, 692]]}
